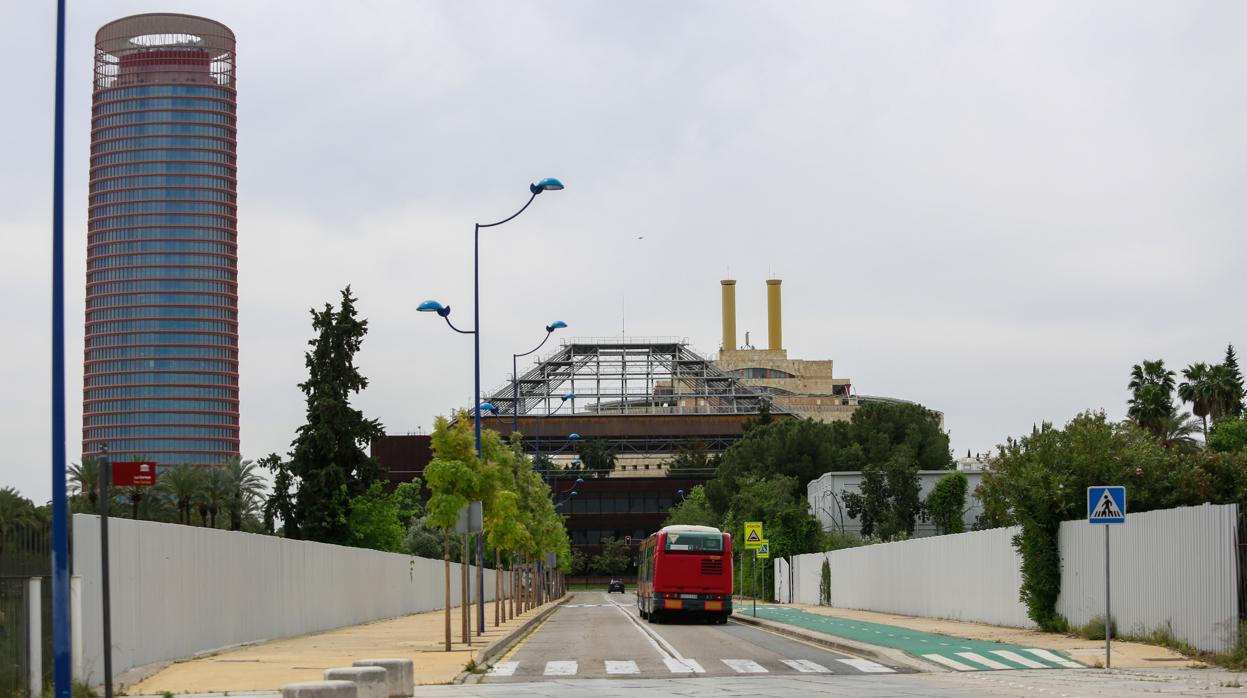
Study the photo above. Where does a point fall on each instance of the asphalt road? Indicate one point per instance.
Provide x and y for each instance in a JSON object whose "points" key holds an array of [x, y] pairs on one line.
{"points": [[598, 635]]}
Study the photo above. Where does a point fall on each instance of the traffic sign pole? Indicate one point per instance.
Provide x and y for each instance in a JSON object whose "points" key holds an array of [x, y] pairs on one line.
{"points": [[755, 583], [1108, 608], [1106, 505]]}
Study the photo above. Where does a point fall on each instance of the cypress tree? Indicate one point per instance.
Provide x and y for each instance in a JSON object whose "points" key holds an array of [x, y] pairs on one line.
{"points": [[1231, 363], [329, 456]]}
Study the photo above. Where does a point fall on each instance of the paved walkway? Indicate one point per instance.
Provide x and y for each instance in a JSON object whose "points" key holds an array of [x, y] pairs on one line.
{"points": [[270, 665], [948, 640]]}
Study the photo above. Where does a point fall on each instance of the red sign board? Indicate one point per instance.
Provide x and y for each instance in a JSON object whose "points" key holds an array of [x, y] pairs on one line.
{"points": [[134, 474]]}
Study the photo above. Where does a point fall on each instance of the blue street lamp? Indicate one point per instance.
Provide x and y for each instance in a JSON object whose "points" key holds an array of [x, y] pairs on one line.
{"points": [[548, 184], [563, 399], [515, 379]]}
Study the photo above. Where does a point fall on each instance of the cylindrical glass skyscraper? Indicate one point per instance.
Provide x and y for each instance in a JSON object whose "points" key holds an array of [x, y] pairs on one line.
{"points": [[161, 355]]}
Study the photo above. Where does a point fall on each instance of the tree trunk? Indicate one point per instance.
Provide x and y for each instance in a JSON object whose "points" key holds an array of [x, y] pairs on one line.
{"points": [[446, 565], [497, 588], [463, 588]]}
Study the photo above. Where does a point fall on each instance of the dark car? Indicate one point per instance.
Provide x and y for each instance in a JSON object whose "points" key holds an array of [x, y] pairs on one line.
{"points": [[615, 585]]}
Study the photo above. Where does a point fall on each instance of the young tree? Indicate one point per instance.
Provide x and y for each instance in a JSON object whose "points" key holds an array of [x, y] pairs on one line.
{"points": [[329, 456], [454, 481]]}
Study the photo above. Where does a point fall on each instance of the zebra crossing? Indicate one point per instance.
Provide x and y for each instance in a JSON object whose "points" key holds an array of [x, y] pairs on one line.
{"points": [[975, 661], [684, 666]]}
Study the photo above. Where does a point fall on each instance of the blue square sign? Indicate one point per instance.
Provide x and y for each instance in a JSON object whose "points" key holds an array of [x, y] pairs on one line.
{"points": [[1106, 504]]}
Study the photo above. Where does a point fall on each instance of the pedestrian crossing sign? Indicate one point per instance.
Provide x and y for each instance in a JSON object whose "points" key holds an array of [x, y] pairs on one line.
{"points": [[753, 535], [1106, 504], [764, 550]]}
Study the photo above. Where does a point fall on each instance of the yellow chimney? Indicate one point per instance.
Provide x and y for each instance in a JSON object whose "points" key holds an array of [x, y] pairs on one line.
{"points": [[774, 316], [729, 314]]}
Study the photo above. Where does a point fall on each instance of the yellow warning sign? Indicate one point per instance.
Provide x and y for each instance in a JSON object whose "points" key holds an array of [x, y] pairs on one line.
{"points": [[765, 549], [753, 535]]}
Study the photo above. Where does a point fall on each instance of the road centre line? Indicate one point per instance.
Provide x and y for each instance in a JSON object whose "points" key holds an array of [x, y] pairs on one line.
{"points": [[658, 642]]}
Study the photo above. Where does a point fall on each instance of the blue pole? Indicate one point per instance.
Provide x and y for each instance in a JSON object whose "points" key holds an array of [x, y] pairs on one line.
{"points": [[476, 334], [60, 510]]}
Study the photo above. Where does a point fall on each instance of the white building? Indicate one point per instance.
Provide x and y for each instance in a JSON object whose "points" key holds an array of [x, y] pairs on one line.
{"points": [[826, 497]]}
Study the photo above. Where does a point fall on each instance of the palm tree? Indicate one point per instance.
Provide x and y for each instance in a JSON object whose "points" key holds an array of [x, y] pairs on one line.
{"points": [[246, 491], [181, 484], [215, 494], [1174, 430], [1224, 391], [1196, 390], [15, 512], [1151, 402], [84, 480]]}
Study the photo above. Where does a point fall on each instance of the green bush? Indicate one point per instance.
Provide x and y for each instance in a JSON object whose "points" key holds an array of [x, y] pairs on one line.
{"points": [[824, 584], [1094, 630]]}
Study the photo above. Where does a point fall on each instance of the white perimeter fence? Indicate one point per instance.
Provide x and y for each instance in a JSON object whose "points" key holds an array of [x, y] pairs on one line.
{"points": [[180, 590], [1175, 567]]}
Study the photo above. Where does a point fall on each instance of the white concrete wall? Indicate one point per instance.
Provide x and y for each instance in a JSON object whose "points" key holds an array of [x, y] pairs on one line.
{"points": [[970, 576], [1175, 567], [180, 590]]}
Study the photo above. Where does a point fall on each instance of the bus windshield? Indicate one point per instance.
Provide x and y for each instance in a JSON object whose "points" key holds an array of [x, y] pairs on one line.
{"points": [[694, 542]]}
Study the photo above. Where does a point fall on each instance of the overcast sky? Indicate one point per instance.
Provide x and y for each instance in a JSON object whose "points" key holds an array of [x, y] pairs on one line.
{"points": [[994, 209]]}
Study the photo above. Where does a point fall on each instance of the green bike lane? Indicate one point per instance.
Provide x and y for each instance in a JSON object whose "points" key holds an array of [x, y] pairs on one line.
{"points": [[955, 653]]}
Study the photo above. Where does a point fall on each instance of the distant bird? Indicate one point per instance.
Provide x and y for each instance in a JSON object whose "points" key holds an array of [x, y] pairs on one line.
{"points": [[640, 237]]}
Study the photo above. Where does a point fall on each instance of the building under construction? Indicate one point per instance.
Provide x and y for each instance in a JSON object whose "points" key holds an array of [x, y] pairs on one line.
{"points": [[644, 401]]}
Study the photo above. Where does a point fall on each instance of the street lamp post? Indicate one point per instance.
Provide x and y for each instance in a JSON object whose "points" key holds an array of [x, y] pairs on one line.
{"points": [[548, 184], [515, 379]]}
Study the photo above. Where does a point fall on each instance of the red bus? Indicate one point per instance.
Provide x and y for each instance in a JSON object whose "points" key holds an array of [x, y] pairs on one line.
{"points": [[685, 571]]}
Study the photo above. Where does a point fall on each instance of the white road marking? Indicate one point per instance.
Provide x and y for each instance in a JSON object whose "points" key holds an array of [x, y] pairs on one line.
{"points": [[744, 666], [683, 666], [561, 668], [659, 644], [805, 666], [1019, 659], [866, 666], [621, 667], [980, 659], [504, 668], [949, 662], [1056, 658]]}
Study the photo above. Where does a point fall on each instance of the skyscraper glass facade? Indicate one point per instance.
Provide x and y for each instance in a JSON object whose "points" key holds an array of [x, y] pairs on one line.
{"points": [[161, 354]]}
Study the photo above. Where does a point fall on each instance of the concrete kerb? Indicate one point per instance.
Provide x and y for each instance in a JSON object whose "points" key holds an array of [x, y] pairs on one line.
{"points": [[504, 643], [886, 655]]}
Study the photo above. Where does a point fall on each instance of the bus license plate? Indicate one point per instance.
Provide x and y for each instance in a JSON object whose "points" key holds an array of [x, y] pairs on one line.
{"points": [[688, 596]]}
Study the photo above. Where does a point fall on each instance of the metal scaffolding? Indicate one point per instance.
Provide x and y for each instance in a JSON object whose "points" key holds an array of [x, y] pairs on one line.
{"points": [[614, 377]]}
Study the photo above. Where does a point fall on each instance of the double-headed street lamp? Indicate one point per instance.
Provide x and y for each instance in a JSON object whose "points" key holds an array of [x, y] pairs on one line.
{"points": [[515, 379], [548, 184]]}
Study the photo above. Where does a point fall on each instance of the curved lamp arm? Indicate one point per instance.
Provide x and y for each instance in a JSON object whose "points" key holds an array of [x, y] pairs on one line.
{"points": [[456, 329], [513, 215]]}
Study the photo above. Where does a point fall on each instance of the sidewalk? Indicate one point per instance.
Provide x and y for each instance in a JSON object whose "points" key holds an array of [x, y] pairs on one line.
{"points": [[923, 634], [270, 665]]}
